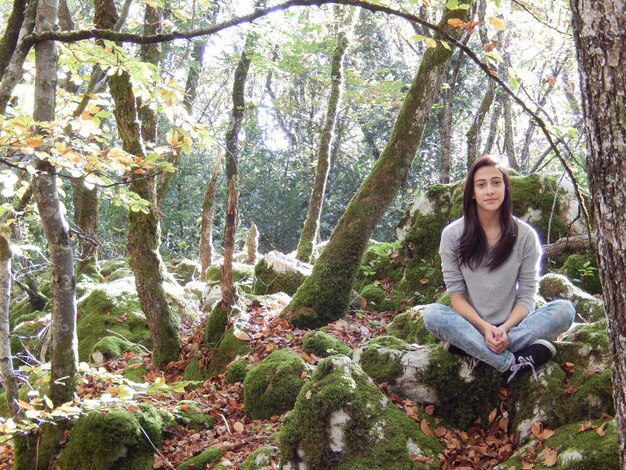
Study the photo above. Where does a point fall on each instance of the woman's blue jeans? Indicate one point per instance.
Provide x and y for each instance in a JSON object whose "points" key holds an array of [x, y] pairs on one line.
{"points": [[546, 322]]}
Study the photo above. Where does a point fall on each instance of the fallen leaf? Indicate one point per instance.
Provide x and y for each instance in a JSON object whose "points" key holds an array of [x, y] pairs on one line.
{"points": [[238, 426], [425, 280], [242, 335], [602, 429], [550, 457], [430, 409], [426, 428], [492, 416], [546, 434], [585, 426], [308, 394], [489, 46]]}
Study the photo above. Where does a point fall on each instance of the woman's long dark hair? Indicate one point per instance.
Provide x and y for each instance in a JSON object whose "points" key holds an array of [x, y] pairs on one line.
{"points": [[473, 242]]}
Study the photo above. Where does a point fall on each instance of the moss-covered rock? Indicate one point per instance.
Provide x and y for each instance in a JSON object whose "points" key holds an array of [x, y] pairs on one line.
{"points": [[275, 272], [271, 387], [409, 326], [184, 270], [582, 270], [28, 335], [236, 371], [381, 358], [110, 347], [342, 421], [188, 413], [112, 441], [575, 449], [260, 459], [110, 307], [420, 229], [135, 370], [324, 345], [202, 460], [555, 286], [109, 266], [243, 276]]}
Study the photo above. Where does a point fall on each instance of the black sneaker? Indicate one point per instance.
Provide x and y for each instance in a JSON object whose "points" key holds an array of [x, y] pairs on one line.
{"points": [[452, 349], [533, 355]]}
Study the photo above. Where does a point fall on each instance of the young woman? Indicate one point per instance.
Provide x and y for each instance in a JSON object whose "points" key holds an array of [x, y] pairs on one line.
{"points": [[490, 262]]}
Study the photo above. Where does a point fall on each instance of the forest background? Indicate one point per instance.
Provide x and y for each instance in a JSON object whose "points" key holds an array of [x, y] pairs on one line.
{"points": [[532, 118]]}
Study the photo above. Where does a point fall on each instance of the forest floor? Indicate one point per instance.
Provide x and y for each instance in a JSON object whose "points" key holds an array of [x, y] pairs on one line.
{"points": [[480, 447]]}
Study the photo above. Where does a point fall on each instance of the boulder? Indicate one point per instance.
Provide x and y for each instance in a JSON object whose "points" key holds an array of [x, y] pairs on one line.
{"points": [[556, 286], [341, 420], [276, 272], [409, 326], [260, 459], [582, 270], [271, 387], [184, 271], [243, 275], [324, 345], [115, 439]]}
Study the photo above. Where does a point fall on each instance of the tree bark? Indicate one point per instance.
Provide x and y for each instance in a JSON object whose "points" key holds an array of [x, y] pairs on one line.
{"points": [[86, 219], [312, 221], [509, 144], [13, 71], [64, 354], [232, 152], [473, 133], [206, 226], [11, 33], [144, 232], [599, 37], [325, 294], [7, 374]]}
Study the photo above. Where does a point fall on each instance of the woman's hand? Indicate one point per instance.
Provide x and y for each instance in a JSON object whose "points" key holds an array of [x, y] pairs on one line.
{"points": [[496, 338]]}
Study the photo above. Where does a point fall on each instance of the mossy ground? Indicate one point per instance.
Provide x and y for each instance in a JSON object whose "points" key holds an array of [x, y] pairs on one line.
{"points": [[271, 387], [236, 371], [409, 326], [202, 460]]}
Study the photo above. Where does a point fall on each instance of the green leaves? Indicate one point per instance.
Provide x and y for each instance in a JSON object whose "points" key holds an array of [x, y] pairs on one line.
{"points": [[454, 5]]}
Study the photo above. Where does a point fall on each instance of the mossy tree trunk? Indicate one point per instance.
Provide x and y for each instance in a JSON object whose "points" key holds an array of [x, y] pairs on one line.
{"points": [[86, 212], [325, 295], [599, 38], [144, 232], [13, 70], [232, 152], [11, 33], [64, 355], [206, 225], [7, 374], [312, 221]]}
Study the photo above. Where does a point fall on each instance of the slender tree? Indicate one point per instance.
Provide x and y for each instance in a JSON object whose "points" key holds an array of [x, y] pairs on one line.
{"points": [[312, 222], [144, 233], [7, 374], [325, 294], [206, 225], [600, 37], [11, 33]]}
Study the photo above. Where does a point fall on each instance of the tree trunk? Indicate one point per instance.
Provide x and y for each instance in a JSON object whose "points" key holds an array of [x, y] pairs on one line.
{"points": [[13, 71], [86, 218], [232, 153], [600, 39], [473, 133], [312, 222], [509, 145], [144, 233], [325, 295], [7, 374], [64, 355], [493, 126], [206, 226], [11, 33]]}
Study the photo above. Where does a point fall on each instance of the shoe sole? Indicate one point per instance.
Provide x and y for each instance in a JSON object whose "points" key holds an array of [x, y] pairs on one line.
{"points": [[547, 344]]}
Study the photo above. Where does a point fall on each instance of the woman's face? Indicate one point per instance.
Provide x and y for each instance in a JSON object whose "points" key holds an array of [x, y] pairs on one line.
{"points": [[488, 189]]}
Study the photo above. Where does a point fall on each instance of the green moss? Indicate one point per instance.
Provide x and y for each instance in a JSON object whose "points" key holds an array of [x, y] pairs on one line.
{"points": [[461, 400], [4, 406], [185, 270], [112, 307], [111, 347], [225, 352], [324, 345], [260, 459], [241, 273], [201, 460], [35, 451], [193, 371], [151, 423], [216, 325], [373, 294], [582, 270], [113, 440], [271, 387], [380, 261], [576, 450], [380, 358], [108, 266], [409, 326], [236, 371], [135, 370], [268, 281], [26, 335], [376, 431], [188, 413]]}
